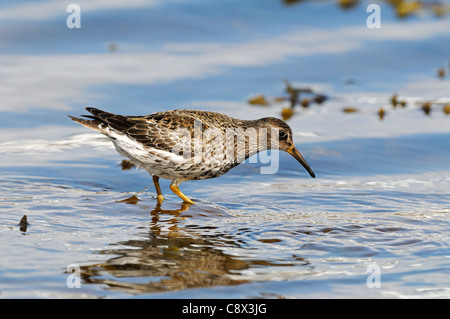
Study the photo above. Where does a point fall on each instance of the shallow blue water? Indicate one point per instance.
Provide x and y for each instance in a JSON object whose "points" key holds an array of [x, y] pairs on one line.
{"points": [[380, 200]]}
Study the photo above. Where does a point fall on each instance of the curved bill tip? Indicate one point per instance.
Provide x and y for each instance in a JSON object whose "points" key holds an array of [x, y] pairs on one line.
{"points": [[296, 154]]}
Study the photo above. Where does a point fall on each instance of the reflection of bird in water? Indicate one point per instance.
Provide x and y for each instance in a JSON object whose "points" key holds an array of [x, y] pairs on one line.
{"points": [[183, 145], [169, 257], [184, 207]]}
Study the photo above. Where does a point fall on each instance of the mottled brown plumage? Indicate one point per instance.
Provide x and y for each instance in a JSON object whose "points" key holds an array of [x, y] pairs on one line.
{"points": [[183, 145]]}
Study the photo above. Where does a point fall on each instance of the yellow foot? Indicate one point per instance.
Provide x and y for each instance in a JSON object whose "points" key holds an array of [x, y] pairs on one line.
{"points": [[176, 190], [160, 197]]}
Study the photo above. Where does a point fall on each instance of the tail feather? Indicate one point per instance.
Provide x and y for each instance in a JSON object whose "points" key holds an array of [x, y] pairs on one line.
{"points": [[100, 120], [97, 113], [92, 124], [95, 120]]}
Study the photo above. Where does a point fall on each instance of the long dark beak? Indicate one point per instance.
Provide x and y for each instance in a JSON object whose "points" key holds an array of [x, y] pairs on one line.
{"points": [[294, 152]]}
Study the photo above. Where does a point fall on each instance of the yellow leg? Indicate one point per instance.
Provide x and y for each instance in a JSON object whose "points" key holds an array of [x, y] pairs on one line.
{"points": [[177, 191], [159, 194]]}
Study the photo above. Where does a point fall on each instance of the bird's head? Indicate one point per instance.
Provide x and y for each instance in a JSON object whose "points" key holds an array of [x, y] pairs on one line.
{"points": [[283, 134]]}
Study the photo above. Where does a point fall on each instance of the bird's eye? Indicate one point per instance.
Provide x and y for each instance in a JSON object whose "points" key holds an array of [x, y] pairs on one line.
{"points": [[282, 135]]}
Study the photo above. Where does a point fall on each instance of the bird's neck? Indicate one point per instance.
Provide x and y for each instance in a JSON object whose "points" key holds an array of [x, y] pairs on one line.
{"points": [[254, 136]]}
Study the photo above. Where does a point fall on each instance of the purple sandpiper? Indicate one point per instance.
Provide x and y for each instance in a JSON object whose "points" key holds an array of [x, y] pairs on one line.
{"points": [[182, 145]]}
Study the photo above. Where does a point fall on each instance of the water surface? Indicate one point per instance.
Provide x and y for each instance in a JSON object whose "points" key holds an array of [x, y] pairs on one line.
{"points": [[380, 200]]}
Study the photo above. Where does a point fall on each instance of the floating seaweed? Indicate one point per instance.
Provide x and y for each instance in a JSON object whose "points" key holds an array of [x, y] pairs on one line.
{"points": [[292, 92], [438, 9], [286, 113], [305, 102], [259, 99], [279, 99], [320, 98], [381, 113], [293, 96], [394, 101], [446, 108], [402, 8], [426, 108], [349, 109], [23, 224], [132, 200], [126, 165], [347, 4], [290, 2], [406, 8]]}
